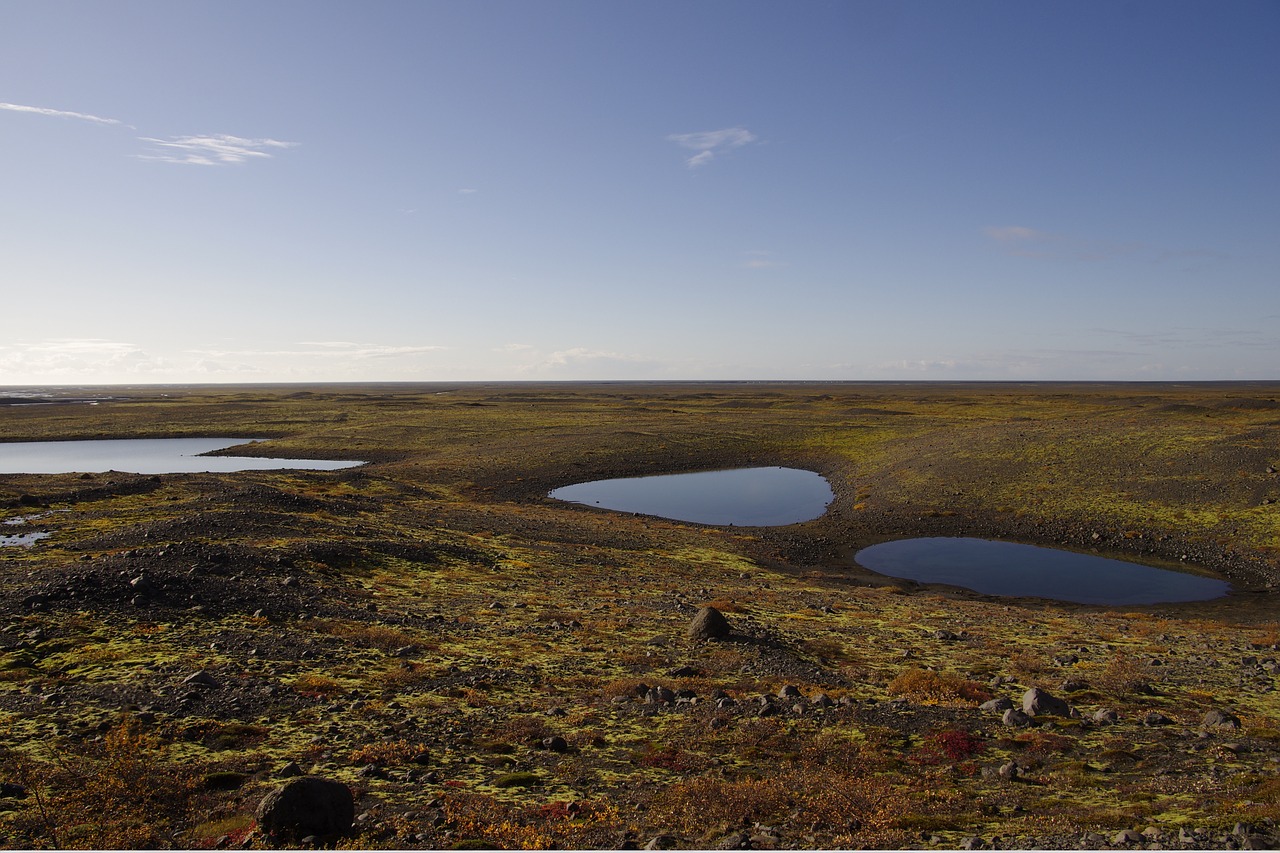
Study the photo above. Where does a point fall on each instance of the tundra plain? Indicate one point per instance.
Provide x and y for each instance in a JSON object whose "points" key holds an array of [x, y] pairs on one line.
{"points": [[485, 666]]}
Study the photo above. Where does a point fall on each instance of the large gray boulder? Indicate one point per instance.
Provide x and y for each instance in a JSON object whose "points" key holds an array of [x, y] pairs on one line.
{"points": [[709, 624], [1036, 701], [306, 806]]}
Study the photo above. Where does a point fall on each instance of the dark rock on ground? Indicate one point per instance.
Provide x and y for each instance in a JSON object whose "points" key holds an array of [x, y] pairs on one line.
{"points": [[306, 806], [708, 624]]}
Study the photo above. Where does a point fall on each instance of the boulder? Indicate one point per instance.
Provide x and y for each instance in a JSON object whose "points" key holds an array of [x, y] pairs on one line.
{"points": [[1014, 717], [306, 806], [708, 624], [1036, 701], [1219, 717], [200, 678]]}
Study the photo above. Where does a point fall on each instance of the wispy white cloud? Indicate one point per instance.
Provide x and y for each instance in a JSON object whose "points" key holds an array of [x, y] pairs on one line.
{"points": [[206, 150], [74, 360], [211, 150], [347, 350], [97, 360], [45, 111], [584, 363], [711, 143]]}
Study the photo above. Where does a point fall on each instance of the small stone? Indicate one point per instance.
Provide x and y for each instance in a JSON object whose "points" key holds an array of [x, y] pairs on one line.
{"points": [[661, 842], [1014, 717], [1106, 716], [12, 791], [1126, 836], [790, 691], [996, 706], [1009, 771], [289, 771], [555, 743], [200, 678], [1155, 718], [973, 842]]}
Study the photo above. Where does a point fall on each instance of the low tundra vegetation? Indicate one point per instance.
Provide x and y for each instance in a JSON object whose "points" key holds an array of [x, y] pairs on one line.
{"points": [[484, 667]]}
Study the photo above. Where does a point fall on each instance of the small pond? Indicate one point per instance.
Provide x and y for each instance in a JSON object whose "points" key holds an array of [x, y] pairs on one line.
{"points": [[1012, 569], [143, 456], [749, 497], [21, 540]]}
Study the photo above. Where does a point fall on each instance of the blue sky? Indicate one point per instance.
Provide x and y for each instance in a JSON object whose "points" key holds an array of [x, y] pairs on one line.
{"points": [[320, 191]]}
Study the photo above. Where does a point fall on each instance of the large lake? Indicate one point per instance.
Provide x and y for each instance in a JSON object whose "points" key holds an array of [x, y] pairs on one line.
{"points": [[748, 497], [144, 456], [1012, 569]]}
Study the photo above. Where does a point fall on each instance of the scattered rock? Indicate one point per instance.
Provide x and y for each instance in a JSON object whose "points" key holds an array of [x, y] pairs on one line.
{"points": [[997, 706], [1016, 718], [1036, 701], [708, 624], [200, 678], [1009, 771], [289, 771], [1106, 716], [306, 806], [662, 842], [1219, 717], [1126, 836], [1155, 718]]}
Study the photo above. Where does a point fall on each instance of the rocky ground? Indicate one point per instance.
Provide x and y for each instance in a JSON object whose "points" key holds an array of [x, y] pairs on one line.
{"points": [[483, 666]]}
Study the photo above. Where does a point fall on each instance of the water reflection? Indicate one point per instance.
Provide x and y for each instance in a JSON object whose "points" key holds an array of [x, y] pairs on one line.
{"points": [[1012, 569], [143, 456], [753, 497]]}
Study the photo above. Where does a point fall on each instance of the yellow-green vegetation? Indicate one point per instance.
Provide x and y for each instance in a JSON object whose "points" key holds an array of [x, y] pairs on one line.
{"points": [[484, 666]]}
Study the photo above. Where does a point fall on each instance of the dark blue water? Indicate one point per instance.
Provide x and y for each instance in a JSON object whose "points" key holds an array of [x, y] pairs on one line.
{"points": [[749, 497], [1008, 568], [142, 456]]}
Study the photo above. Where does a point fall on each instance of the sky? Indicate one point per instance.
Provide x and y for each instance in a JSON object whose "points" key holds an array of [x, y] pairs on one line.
{"points": [[452, 190]]}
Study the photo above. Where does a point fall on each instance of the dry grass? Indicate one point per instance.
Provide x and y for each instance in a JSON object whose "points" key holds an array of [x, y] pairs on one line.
{"points": [[937, 688]]}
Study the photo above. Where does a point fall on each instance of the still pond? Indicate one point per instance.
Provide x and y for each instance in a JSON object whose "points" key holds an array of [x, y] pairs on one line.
{"points": [[746, 497], [143, 456], [1012, 569]]}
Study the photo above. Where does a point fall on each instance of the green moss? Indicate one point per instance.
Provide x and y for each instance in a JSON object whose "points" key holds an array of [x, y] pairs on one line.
{"points": [[518, 780]]}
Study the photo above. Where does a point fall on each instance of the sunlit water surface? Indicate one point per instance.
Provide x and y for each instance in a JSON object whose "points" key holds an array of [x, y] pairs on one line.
{"points": [[748, 497], [143, 456]]}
